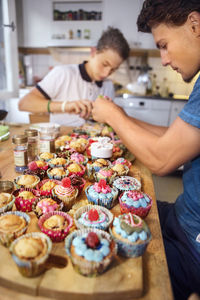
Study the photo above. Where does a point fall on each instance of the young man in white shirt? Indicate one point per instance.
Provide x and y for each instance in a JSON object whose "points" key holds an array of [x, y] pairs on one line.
{"points": [[67, 91]]}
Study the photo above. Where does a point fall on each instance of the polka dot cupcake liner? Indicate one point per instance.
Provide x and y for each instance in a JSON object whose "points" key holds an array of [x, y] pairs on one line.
{"points": [[22, 204], [47, 192]]}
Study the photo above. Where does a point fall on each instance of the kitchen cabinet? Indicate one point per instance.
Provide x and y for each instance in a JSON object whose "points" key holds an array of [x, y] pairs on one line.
{"points": [[154, 111]]}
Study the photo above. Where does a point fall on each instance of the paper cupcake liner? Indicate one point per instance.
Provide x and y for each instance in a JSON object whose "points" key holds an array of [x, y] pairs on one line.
{"points": [[140, 211], [79, 187], [108, 179], [127, 163], [81, 162], [124, 173], [5, 237], [81, 173], [30, 186], [39, 172], [8, 206], [39, 214], [22, 204], [46, 193], [90, 268], [57, 165], [32, 268], [127, 183], [107, 203], [57, 177], [47, 159], [86, 208], [128, 249], [67, 202], [55, 235]]}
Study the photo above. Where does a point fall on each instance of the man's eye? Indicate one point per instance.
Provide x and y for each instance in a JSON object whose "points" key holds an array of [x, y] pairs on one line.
{"points": [[163, 46]]}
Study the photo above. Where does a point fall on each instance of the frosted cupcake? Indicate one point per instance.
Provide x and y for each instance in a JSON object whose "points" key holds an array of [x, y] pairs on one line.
{"points": [[90, 250], [122, 161], [66, 192], [45, 186], [46, 204], [101, 194], [93, 216], [131, 234], [79, 158], [77, 182], [75, 168], [24, 199], [30, 253], [127, 183], [56, 225], [12, 225], [95, 166], [108, 174], [57, 173], [6, 202], [135, 202]]}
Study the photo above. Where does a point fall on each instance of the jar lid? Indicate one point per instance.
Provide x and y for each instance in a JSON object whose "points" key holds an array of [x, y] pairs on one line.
{"points": [[31, 132], [19, 139]]}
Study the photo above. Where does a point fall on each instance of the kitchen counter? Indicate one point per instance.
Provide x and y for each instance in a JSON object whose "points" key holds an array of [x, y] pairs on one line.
{"points": [[156, 282]]}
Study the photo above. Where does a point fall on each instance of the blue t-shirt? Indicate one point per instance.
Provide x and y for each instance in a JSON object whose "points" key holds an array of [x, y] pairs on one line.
{"points": [[187, 205]]}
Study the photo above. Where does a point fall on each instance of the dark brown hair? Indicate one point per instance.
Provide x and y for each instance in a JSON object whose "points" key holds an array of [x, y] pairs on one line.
{"points": [[172, 12], [113, 39]]}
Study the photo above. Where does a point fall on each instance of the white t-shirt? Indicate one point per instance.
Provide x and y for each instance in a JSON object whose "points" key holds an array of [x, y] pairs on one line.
{"points": [[71, 83]]}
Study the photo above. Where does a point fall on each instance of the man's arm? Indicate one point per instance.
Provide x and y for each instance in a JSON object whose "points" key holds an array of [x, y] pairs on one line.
{"points": [[161, 154], [36, 102]]}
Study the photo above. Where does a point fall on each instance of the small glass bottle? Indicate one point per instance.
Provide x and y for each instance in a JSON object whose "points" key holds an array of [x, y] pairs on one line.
{"points": [[20, 149], [32, 135], [47, 137]]}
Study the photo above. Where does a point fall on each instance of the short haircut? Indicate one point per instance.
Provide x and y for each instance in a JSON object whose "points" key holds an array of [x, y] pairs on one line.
{"points": [[170, 12], [113, 39]]}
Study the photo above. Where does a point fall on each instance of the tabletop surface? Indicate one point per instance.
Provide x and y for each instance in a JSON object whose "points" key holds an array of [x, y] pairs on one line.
{"points": [[156, 282]]}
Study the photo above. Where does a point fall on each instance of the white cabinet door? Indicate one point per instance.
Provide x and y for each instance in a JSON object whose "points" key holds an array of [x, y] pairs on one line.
{"points": [[176, 107]]}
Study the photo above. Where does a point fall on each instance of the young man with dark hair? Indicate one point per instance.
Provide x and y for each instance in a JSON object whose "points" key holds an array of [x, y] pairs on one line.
{"points": [[67, 91], [175, 25]]}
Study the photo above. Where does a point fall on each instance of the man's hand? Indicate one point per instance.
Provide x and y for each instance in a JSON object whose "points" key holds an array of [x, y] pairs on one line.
{"points": [[103, 107], [80, 107]]}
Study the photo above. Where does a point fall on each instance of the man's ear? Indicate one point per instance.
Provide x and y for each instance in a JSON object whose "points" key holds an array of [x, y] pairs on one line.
{"points": [[194, 22], [93, 51]]}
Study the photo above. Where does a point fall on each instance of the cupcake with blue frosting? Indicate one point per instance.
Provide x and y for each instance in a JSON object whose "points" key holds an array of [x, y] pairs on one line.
{"points": [[90, 250], [135, 202], [131, 234]]}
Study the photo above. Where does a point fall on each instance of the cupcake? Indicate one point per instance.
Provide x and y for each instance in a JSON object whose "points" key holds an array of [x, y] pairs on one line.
{"points": [[12, 225], [56, 225], [62, 141], [117, 152], [135, 202], [93, 216], [120, 169], [101, 194], [90, 250], [26, 181], [131, 234], [45, 186], [46, 156], [46, 204], [30, 253], [64, 154], [107, 174], [122, 161], [75, 168], [66, 192], [79, 158], [58, 162], [24, 199], [127, 183], [6, 202], [38, 168], [77, 182], [79, 145], [57, 173]]}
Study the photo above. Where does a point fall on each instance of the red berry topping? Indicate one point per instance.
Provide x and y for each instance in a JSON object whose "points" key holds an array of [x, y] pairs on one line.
{"points": [[32, 166], [102, 183], [66, 182], [93, 214], [92, 240]]}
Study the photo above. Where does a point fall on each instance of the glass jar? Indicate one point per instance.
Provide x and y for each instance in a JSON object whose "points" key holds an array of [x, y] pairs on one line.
{"points": [[32, 135], [47, 137], [20, 149]]}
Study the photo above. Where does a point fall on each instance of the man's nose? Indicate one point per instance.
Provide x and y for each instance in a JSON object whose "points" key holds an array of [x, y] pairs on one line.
{"points": [[164, 58]]}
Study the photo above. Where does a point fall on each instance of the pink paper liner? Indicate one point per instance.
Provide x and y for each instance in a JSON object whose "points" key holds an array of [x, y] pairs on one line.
{"points": [[140, 211], [22, 204], [46, 193], [81, 173], [55, 235]]}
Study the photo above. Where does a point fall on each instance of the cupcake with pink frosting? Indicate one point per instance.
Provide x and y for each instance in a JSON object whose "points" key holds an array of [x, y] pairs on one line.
{"points": [[108, 174], [46, 204], [66, 192], [79, 158], [122, 161], [100, 193]]}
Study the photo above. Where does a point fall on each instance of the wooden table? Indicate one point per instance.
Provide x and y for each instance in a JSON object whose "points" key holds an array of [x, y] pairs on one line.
{"points": [[156, 282]]}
